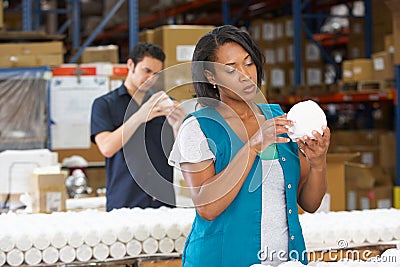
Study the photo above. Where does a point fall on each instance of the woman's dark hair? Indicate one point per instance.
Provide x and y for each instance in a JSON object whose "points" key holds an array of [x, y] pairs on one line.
{"points": [[141, 50], [206, 49]]}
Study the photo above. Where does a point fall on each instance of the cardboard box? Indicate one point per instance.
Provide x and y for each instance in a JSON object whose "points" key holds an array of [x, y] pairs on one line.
{"points": [[389, 45], [394, 6], [335, 175], [276, 77], [48, 192], [383, 66], [279, 29], [1, 15], [179, 41], [356, 27], [90, 155], [387, 153], [381, 13], [379, 197], [146, 36], [363, 69], [270, 56], [367, 186], [366, 142], [268, 31], [108, 53], [289, 28], [356, 49], [36, 48], [347, 71], [31, 60], [314, 74], [311, 53], [365, 176], [379, 31], [355, 138], [255, 29]]}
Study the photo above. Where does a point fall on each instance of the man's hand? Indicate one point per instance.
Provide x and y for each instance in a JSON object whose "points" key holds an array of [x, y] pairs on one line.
{"points": [[151, 109], [176, 117]]}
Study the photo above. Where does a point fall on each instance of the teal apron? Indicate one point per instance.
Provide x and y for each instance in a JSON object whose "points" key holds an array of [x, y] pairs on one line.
{"points": [[234, 237]]}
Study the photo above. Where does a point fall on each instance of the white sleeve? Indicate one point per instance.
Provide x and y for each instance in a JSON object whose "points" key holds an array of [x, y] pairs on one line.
{"points": [[190, 145]]}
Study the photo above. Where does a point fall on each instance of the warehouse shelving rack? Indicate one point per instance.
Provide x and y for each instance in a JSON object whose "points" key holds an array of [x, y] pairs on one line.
{"points": [[231, 11]]}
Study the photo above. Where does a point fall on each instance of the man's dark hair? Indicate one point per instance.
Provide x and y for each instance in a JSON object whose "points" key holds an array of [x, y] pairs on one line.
{"points": [[146, 49]]}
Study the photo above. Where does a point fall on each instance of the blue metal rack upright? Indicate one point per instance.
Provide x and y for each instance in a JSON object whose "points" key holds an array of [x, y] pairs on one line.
{"points": [[298, 7]]}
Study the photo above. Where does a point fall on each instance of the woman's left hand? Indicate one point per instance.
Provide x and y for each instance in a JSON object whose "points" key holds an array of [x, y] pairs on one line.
{"points": [[316, 149]]}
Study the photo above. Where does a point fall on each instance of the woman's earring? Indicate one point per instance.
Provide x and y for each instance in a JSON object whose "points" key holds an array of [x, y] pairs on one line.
{"points": [[214, 86]]}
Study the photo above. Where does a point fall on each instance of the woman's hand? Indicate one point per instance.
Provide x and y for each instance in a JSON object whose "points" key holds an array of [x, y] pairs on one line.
{"points": [[268, 133], [316, 149]]}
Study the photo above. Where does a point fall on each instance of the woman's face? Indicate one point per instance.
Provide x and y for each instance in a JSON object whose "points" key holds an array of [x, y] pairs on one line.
{"points": [[236, 73]]}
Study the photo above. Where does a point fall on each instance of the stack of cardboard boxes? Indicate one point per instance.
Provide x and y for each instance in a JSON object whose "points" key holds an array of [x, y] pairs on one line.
{"points": [[369, 177], [380, 68], [275, 38], [33, 54], [107, 53], [178, 43]]}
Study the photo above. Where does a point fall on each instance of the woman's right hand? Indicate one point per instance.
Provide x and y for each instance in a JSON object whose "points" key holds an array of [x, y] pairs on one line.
{"points": [[268, 133]]}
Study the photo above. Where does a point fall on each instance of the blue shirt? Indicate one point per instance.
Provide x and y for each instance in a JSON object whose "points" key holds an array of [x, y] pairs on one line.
{"points": [[138, 175]]}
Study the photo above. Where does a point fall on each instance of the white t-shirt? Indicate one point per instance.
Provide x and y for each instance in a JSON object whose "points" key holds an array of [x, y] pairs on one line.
{"points": [[191, 146]]}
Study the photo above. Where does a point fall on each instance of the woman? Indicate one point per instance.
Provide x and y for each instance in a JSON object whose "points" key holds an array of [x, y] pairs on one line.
{"points": [[246, 200]]}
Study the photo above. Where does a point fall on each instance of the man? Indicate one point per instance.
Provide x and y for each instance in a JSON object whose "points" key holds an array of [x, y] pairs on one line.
{"points": [[130, 129]]}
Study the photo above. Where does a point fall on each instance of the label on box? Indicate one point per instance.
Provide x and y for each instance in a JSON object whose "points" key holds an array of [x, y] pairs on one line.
{"points": [[184, 52], [379, 63], [347, 74], [364, 203], [314, 76], [312, 53], [268, 31], [357, 70], [277, 77], [357, 27], [255, 32], [289, 28], [355, 52], [290, 53], [279, 30], [384, 204], [280, 54], [53, 201], [367, 158], [351, 200], [269, 56]]}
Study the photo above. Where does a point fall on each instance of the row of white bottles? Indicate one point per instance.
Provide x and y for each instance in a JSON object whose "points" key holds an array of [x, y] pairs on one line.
{"points": [[92, 235]]}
